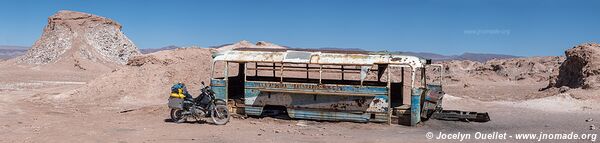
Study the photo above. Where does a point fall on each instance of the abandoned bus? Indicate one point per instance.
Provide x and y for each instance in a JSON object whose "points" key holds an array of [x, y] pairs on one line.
{"points": [[327, 85]]}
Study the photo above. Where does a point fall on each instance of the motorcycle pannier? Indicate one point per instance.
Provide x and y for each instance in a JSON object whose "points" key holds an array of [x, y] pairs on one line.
{"points": [[176, 103], [177, 91]]}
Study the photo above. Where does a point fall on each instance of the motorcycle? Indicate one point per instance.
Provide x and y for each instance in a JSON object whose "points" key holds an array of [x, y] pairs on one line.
{"points": [[203, 106]]}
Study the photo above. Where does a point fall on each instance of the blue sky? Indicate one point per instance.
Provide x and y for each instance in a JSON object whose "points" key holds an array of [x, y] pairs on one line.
{"points": [[516, 27]]}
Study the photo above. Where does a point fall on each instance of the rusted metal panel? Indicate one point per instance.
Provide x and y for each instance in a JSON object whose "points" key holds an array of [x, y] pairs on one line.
{"points": [[379, 104], [352, 59], [435, 93], [455, 115], [413, 61], [331, 103], [432, 100], [315, 57]]}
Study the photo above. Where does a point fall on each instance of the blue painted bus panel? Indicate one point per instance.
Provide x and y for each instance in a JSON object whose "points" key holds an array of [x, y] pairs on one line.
{"points": [[320, 102], [415, 109], [312, 87], [253, 111], [337, 116], [219, 87]]}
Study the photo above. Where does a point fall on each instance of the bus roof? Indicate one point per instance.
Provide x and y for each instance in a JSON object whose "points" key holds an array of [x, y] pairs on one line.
{"points": [[328, 57]]}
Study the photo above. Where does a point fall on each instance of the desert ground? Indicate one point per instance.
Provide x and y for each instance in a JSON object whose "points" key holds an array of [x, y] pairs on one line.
{"points": [[27, 117]]}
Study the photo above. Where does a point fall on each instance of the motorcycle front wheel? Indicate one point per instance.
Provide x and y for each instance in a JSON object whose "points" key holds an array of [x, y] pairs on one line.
{"points": [[220, 115], [177, 116]]}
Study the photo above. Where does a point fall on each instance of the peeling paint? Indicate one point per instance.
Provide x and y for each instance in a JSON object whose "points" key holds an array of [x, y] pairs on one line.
{"points": [[309, 57]]}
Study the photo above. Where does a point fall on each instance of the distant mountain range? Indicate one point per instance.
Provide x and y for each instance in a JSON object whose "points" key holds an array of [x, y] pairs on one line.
{"points": [[152, 50], [7, 52], [480, 57], [13, 47]]}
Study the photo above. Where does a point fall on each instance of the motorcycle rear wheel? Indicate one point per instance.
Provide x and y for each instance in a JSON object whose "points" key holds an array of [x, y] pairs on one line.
{"points": [[177, 116], [220, 115]]}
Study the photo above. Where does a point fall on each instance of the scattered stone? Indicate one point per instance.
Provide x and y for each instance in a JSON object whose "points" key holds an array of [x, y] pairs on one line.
{"points": [[238, 116], [148, 59], [563, 89], [301, 123], [125, 111], [592, 127], [589, 120], [277, 131], [77, 65]]}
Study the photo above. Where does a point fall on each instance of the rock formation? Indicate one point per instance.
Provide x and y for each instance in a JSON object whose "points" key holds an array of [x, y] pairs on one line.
{"points": [[75, 36], [581, 69], [536, 69]]}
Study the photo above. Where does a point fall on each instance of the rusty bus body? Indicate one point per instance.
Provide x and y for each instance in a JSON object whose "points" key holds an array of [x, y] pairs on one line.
{"points": [[325, 85]]}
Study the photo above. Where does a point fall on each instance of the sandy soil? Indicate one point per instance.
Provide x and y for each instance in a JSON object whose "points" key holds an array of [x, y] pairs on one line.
{"points": [[26, 115], [497, 90]]}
